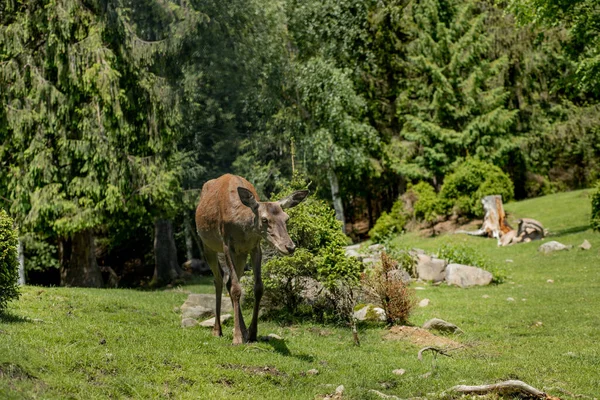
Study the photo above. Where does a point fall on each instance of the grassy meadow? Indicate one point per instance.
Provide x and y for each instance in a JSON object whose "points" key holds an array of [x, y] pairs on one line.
{"points": [[71, 343]]}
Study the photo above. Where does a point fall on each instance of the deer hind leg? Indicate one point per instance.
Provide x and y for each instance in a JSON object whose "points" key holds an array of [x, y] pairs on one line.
{"points": [[213, 262], [258, 292], [236, 264]]}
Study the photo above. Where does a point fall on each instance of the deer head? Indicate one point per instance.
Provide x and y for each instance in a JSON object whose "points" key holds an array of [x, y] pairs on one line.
{"points": [[270, 218]]}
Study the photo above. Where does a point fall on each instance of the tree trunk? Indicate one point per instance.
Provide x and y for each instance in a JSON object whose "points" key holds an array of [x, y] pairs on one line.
{"points": [[21, 263], [166, 268], [189, 250], [337, 199], [78, 261]]}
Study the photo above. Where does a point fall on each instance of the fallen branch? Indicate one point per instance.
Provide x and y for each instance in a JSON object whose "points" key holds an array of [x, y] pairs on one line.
{"points": [[512, 387]]}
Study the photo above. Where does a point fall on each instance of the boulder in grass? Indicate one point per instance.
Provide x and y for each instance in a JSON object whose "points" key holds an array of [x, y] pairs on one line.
{"points": [[552, 246], [467, 276], [585, 245], [441, 325], [430, 268], [210, 323]]}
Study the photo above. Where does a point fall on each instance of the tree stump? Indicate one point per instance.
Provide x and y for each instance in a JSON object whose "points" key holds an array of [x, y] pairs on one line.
{"points": [[494, 222]]}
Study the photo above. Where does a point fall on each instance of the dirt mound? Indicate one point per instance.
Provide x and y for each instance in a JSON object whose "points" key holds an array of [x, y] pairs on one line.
{"points": [[419, 337]]}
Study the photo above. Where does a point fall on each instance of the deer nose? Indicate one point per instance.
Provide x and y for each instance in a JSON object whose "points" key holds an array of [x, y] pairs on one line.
{"points": [[290, 248]]}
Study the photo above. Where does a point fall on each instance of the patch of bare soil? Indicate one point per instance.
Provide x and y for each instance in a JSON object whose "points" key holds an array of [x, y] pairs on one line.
{"points": [[14, 371], [255, 370], [419, 337]]}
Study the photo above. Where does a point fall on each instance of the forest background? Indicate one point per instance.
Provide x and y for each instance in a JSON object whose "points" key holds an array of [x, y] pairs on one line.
{"points": [[113, 113]]}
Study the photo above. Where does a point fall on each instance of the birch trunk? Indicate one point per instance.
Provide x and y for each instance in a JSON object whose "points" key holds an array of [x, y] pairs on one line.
{"points": [[337, 199], [21, 263]]}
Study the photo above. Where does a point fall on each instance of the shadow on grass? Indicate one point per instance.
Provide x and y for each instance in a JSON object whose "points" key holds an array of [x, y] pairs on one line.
{"points": [[12, 318], [280, 347], [575, 229]]}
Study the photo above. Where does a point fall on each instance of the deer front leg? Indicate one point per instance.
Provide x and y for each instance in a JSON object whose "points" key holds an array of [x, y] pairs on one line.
{"points": [[258, 292], [240, 334]]}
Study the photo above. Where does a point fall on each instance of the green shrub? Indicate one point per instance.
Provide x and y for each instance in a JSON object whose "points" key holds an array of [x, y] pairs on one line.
{"points": [[389, 223], [596, 208], [470, 182], [319, 261], [462, 254], [9, 265], [427, 206]]}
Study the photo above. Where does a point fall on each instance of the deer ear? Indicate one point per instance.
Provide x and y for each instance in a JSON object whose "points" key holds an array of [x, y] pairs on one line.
{"points": [[293, 199], [247, 198]]}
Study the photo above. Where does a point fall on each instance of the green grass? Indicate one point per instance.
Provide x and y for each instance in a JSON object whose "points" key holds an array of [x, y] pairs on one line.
{"points": [[129, 344]]}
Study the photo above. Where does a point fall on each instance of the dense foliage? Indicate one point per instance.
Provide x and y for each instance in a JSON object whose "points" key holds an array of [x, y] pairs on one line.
{"points": [[319, 262], [472, 180], [596, 208], [390, 223], [9, 274], [113, 115]]}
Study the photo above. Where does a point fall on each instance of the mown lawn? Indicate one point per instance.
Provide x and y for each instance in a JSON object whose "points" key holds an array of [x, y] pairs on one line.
{"points": [[59, 343]]}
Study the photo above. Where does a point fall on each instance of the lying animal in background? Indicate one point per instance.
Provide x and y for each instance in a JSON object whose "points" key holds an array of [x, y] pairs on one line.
{"points": [[230, 219]]}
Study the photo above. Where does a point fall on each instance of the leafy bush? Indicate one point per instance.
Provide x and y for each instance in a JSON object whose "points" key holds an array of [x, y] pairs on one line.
{"points": [[385, 283], [319, 265], [461, 254], [470, 182], [389, 223], [9, 265], [596, 209], [427, 206]]}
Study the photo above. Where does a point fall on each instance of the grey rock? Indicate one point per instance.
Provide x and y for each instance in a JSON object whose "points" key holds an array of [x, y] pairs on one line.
{"points": [[196, 312], [206, 301], [210, 323], [430, 268], [361, 314], [196, 266], [313, 371], [340, 389], [424, 303], [272, 336], [552, 246], [510, 299], [188, 322], [376, 247], [585, 245], [370, 260], [441, 325], [399, 371], [486, 296], [353, 253], [550, 281], [419, 288], [399, 275], [466, 276]]}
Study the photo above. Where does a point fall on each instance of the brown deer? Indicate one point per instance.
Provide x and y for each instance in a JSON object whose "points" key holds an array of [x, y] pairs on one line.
{"points": [[231, 219]]}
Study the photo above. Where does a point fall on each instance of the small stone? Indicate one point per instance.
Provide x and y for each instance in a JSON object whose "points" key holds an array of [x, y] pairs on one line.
{"points": [[339, 389], [189, 322], [272, 336], [419, 288], [424, 303], [510, 299], [537, 324], [585, 245], [550, 281], [523, 299], [383, 395], [209, 323], [426, 375], [486, 296], [313, 371], [508, 260], [399, 371]]}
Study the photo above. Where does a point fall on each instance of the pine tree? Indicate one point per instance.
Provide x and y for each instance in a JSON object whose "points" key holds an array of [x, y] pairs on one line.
{"points": [[90, 122]]}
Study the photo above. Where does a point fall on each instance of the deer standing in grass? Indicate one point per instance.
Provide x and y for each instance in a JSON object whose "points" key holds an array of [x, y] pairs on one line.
{"points": [[231, 219]]}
